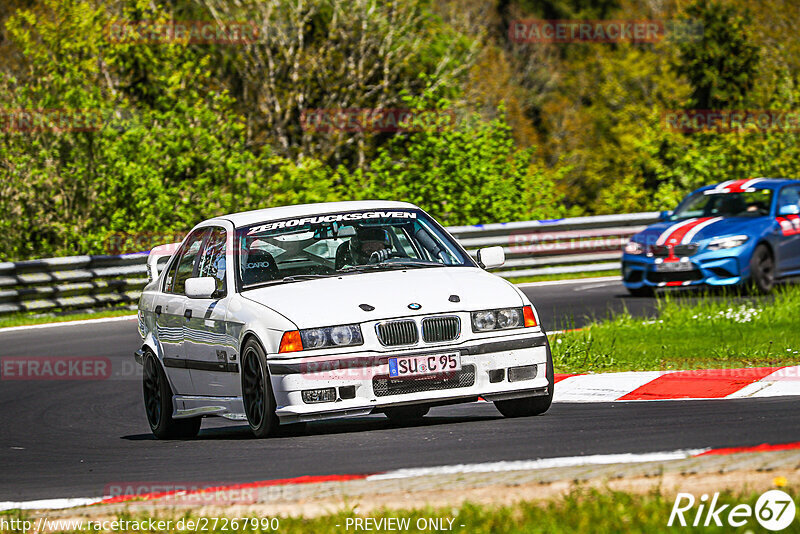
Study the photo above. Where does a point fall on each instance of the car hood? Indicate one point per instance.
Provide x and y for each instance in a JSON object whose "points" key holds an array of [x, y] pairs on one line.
{"points": [[336, 300], [723, 227]]}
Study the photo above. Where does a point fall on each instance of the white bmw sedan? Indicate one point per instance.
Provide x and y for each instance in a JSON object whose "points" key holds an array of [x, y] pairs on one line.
{"points": [[300, 313]]}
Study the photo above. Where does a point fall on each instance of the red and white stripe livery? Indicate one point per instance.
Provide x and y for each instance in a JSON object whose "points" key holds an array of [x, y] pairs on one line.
{"points": [[735, 186], [790, 224], [683, 232]]}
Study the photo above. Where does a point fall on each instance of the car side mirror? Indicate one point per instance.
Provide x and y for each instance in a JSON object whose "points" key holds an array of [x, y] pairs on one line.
{"points": [[789, 209], [201, 288], [664, 215], [491, 257]]}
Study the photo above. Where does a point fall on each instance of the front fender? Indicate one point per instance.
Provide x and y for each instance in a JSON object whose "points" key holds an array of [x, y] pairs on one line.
{"points": [[261, 321]]}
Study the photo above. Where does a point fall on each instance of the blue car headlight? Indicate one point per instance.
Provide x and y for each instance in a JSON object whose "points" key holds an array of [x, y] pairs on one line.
{"points": [[632, 247], [722, 243]]}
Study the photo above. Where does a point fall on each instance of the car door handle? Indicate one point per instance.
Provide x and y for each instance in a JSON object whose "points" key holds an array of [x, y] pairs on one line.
{"points": [[158, 309], [188, 314]]}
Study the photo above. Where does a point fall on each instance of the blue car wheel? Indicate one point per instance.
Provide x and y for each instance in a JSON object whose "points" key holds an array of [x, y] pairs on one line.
{"points": [[762, 269]]}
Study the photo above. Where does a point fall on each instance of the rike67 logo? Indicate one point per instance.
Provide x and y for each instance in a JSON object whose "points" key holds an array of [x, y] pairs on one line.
{"points": [[774, 510]]}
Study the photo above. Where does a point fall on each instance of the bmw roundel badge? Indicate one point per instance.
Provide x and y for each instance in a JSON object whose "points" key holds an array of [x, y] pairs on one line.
{"points": [[414, 306]]}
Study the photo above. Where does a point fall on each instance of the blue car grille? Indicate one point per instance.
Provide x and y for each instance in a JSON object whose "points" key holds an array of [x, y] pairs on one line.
{"points": [[662, 251]]}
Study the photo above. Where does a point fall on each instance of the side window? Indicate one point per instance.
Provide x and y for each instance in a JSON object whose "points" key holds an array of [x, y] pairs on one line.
{"points": [[789, 200], [169, 282], [212, 259], [184, 267]]}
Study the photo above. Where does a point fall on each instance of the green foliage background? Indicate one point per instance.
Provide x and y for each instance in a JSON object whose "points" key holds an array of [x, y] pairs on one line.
{"points": [[190, 131]]}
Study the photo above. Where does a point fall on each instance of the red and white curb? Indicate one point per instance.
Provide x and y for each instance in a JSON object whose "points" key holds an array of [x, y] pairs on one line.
{"points": [[678, 385], [487, 467]]}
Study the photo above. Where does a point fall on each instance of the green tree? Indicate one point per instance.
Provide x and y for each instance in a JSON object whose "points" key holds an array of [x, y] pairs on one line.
{"points": [[468, 174], [161, 155], [722, 66]]}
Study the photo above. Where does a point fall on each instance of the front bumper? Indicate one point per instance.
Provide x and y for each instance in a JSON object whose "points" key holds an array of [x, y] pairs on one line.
{"points": [[718, 268], [362, 384]]}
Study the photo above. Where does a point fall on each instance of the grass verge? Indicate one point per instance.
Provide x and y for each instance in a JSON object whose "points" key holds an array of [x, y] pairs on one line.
{"points": [[689, 333], [581, 510], [23, 319]]}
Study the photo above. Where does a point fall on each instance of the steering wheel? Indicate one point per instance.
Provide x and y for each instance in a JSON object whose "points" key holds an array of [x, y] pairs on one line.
{"points": [[380, 255]]}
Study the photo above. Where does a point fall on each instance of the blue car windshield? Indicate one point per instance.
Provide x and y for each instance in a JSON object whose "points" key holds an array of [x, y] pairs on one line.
{"points": [[339, 243], [754, 203]]}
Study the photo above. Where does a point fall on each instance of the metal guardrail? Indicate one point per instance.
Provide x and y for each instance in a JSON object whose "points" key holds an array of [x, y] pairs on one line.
{"points": [[557, 246], [76, 282], [533, 248]]}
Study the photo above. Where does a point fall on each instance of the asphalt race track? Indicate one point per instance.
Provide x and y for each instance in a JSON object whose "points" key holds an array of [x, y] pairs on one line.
{"points": [[74, 438]]}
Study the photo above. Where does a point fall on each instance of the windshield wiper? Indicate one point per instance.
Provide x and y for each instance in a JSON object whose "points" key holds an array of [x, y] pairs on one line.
{"points": [[358, 268], [412, 263], [385, 265], [301, 277]]}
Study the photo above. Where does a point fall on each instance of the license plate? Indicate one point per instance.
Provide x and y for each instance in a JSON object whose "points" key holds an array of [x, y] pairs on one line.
{"points": [[424, 365], [675, 267]]}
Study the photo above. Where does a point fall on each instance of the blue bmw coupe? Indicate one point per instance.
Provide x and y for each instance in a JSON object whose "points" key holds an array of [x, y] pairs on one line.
{"points": [[734, 233]]}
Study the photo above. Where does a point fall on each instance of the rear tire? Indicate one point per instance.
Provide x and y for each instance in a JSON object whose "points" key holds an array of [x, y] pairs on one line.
{"points": [[406, 415], [762, 270], [259, 402], [158, 404], [529, 406]]}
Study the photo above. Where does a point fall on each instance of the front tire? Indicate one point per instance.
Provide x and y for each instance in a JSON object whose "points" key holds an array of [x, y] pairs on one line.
{"points": [[762, 270], [158, 404], [259, 402], [530, 406]]}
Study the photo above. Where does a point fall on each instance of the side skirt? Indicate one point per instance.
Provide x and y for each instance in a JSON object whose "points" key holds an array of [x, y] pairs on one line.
{"points": [[196, 406]]}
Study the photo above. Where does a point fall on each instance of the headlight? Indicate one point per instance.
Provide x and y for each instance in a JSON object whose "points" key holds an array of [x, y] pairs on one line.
{"points": [[722, 243], [485, 320], [313, 338], [632, 247], [344, 335], [509, 318], [502, 319], [320, 338]]}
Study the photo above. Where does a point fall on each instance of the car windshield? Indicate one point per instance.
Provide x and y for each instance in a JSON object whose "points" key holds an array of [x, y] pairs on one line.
{"points": [[339, 243], [710, 203]]}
